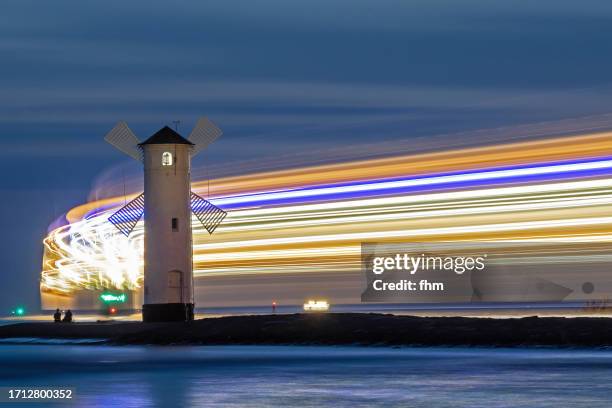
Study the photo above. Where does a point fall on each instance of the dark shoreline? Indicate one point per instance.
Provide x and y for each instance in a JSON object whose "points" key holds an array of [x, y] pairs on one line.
{"points": [[336, 329]]}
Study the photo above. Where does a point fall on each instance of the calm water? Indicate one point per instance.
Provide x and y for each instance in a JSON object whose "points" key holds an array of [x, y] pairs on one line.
{"points": [[244, 376]]}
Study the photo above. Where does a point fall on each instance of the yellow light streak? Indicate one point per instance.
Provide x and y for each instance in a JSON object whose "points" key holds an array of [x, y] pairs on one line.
{"points": [[298, 238]]}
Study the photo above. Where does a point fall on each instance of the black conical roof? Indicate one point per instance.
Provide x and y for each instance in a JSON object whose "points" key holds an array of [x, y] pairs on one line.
{"points": [[166, 136]]}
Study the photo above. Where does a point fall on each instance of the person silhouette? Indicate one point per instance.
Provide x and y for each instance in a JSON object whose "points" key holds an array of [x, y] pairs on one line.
{"points": [[68, 316], [57, 316]]}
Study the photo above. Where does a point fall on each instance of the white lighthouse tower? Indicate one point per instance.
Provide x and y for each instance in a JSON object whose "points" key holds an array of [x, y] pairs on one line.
{"points": [[168, 283], [167, 203]]}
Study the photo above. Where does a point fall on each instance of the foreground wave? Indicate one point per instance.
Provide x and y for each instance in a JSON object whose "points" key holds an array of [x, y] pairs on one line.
{"points": [[294, 376]]}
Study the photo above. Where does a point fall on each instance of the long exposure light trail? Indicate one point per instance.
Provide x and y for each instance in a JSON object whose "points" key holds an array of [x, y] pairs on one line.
{"points": [[449, 181], [525, 153], [299, 222]]}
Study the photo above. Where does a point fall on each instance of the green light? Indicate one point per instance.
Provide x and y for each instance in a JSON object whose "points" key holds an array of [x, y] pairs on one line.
{"points": [[20, 311], [112, 298]]}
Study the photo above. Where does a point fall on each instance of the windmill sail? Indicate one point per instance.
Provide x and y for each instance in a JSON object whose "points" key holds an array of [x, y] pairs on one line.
{"points": [[204, 133], [127, 217], [124, 140], [209, 215]]}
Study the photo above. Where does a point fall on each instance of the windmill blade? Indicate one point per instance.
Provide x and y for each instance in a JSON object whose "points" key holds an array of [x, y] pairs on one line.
{"points": [[204, 133], [124, 140], [209, 215], [127, 217]]}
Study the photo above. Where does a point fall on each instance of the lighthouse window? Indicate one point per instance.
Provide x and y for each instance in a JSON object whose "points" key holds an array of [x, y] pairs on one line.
{"points": [[167, 159], [175, 224]]}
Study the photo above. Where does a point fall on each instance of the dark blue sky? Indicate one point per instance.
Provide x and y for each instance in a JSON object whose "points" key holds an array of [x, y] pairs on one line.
{"points": [[279, 77]]}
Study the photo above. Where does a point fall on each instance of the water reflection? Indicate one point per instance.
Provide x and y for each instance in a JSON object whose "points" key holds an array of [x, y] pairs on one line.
{"points": [[238, 376]]}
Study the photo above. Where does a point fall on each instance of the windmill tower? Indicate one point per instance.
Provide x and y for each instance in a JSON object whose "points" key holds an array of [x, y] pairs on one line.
{"points": [[167, 204]]}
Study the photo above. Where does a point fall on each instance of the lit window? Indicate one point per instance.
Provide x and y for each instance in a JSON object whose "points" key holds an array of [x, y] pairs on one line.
{"points": [[167, 159]]}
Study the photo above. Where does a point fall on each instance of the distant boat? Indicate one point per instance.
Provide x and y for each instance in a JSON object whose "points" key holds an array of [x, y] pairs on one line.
{"points": [[316, 306]]}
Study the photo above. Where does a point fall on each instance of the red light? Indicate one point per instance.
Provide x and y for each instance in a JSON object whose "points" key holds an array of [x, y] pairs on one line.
{"points": [[113, 310], [274, 303]]}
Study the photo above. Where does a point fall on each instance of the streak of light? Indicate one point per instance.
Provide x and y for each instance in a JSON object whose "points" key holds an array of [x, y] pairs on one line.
{"points": [[314, 219]]}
